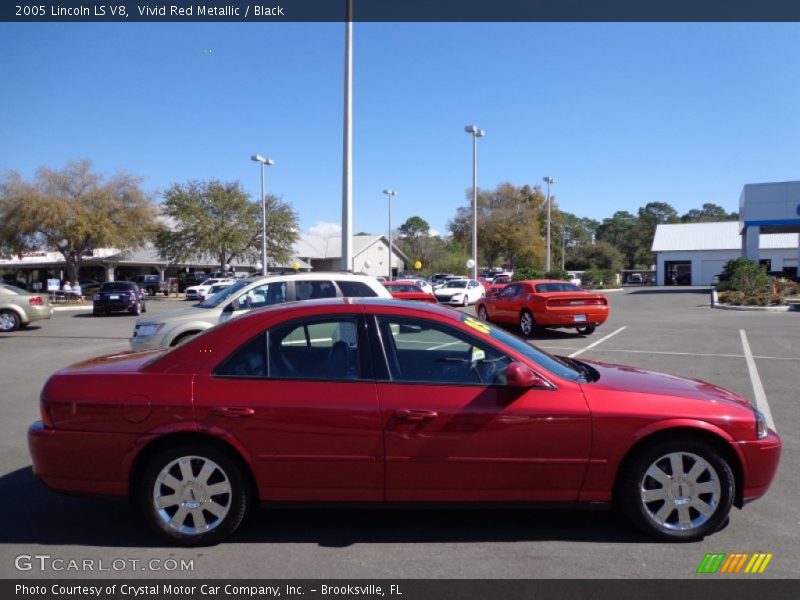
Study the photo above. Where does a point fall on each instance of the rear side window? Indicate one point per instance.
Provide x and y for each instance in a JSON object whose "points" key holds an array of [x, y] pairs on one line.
{"points": [[311, 290], [356, 289], [325, 349]]}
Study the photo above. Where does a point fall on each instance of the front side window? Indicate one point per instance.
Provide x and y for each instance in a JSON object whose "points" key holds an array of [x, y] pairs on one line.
{"points": [[263, 295], [510, 291], [428, 352]]}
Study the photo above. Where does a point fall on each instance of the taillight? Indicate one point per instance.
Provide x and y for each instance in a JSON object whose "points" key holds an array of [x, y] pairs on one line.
{"points": [[577, 302], [47, 419], [35, 301], [133, 296]]}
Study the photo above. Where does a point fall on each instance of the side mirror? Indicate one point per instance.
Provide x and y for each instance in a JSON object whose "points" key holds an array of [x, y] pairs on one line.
{"points": [[519, 375]]}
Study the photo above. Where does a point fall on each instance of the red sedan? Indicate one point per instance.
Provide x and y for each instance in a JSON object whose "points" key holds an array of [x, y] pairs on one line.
{"points": [[371, 400], [545, 303], [408, 291]]}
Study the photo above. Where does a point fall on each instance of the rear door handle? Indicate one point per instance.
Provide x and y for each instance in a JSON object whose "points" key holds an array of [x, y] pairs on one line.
{"points": [[234, 411], [415, 415]]}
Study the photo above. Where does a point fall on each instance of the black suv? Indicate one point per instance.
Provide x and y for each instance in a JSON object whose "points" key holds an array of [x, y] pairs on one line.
{"points": [[118, 296]]}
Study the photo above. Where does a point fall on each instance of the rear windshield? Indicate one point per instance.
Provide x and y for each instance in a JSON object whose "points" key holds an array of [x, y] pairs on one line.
{"points": [[116, 286], [557, 287]]}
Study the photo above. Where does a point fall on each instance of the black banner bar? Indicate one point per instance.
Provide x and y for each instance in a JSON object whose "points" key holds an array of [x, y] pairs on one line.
{"points": [[400, 589], [402, 10]]}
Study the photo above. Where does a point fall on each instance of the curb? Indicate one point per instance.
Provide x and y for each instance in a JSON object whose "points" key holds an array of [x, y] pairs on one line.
{"points": [[753, 308]]}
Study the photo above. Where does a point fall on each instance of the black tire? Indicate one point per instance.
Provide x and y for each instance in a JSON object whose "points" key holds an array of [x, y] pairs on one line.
{"points": [[527, 324], [144, 307], [225, 473], [96, 312], [183, 338], [137, 309], [586, 329], [9, 320], [660, 519], [483, 314]]}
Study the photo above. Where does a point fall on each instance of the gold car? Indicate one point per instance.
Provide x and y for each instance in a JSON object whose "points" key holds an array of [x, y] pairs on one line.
{"points": [[18, 308]]}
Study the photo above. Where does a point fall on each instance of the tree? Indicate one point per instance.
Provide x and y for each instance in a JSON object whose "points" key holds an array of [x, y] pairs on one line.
{"points": [[510, 225], [709, 213], [413, 234], [619, 231], [600, 255], [218, 219], [74, 211]]}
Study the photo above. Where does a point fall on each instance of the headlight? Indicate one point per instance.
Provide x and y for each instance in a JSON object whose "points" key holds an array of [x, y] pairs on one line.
{"points": [[148, 329], [761, 426]]}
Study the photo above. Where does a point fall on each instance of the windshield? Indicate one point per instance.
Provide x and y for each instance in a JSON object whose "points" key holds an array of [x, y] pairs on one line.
{"points": [[460, 283], [220, 297], [554, 364]]}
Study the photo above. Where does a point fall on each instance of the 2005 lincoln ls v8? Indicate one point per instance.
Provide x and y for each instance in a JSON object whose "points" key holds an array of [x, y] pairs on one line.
{"points": [[381, 401]]}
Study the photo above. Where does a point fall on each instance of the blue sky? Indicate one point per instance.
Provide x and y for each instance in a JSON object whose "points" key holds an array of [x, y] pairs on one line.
{"points": [[619, 114]]}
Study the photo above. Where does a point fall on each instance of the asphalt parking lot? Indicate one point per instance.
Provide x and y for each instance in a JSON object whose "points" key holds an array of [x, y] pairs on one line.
{"points": [[665, 329]]}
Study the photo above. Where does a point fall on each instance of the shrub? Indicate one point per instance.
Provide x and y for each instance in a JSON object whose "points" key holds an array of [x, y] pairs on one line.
{"points": [[731, 297], [747, 276], [599, 278], [557, 274], [527, 273]]}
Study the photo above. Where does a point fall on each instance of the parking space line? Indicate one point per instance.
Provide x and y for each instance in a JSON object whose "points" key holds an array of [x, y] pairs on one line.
{"points": [[598, 342], [624, 351], [758, 389]]}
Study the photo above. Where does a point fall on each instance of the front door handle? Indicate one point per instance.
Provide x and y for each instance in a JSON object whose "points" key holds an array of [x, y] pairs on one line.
{"points": [[232, 411], [415, 415]]}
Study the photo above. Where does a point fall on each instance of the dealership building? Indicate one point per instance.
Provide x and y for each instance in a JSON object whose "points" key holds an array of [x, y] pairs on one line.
{"points": [[767, 231]]}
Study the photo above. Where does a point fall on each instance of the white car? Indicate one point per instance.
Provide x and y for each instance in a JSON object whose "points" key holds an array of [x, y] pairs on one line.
{"points": [[199, 292], [460, 292], [174, 327]]}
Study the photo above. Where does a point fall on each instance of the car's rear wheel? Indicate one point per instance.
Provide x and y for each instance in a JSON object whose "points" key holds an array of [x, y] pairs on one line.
{"points": [[678, 490], [586, 329], [193, 495], [9, 320], [483, 315], [137, 309], [527, 324]]}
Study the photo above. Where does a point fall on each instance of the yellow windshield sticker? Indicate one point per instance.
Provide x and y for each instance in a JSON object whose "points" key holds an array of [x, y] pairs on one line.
{"points": [[475, 324], [477, 354]]}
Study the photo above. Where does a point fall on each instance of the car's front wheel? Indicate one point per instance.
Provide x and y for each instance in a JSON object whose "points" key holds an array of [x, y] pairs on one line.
{"points": [[483, 315], [9, 320], [678, 490], [193, 495]]}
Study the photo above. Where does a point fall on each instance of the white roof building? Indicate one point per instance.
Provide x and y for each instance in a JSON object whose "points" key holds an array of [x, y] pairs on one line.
{"points": [[693, 253]]}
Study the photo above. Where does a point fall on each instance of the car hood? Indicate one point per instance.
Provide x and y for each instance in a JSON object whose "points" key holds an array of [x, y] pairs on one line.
{"points": [[190, 313], [643, 383], [450, 291]]}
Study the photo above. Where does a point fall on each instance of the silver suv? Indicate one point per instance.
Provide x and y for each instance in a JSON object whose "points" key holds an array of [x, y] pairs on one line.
{"points": [[174, 327]]}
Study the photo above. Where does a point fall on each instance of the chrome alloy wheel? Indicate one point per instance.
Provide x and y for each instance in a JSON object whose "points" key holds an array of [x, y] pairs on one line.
{"points": [[192, 495], [680, 491]]}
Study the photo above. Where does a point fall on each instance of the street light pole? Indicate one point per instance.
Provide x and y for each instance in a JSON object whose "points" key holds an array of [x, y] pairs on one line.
{"points": [[347, 145], [476, 133], [389, 194], [265, 162], [548, 181]]}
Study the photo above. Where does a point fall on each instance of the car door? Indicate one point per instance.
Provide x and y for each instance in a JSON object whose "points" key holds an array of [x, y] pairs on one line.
{"points": [[454, 431], [300, 398], [504, 308]]}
